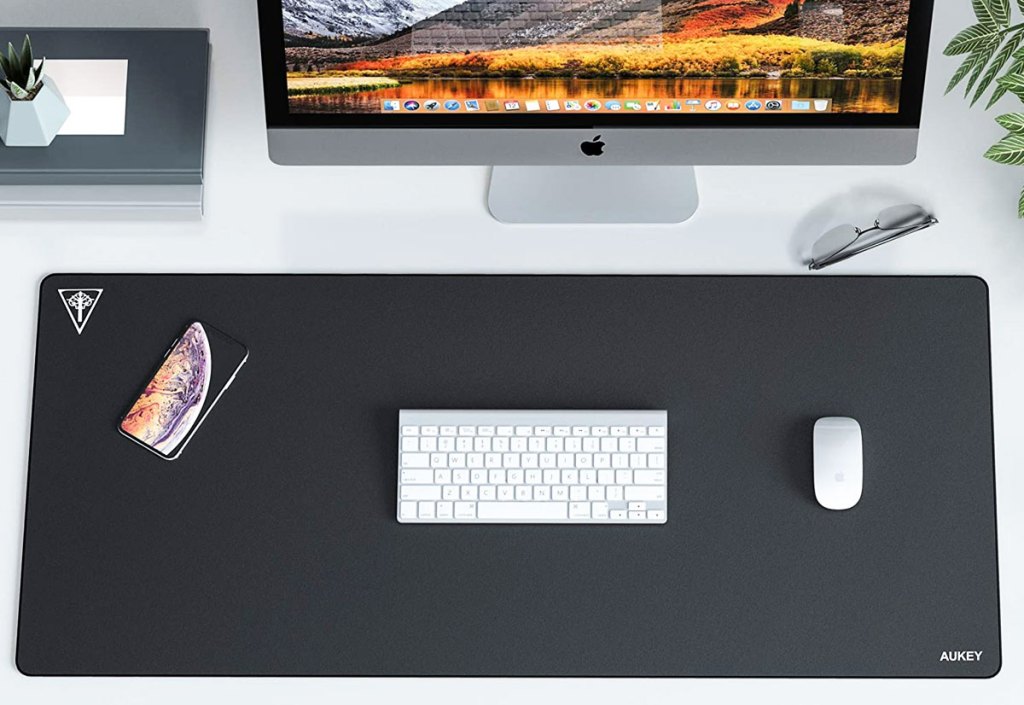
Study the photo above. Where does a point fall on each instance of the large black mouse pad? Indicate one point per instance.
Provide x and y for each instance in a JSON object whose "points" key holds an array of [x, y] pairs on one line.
{"points": [[271, 546]]}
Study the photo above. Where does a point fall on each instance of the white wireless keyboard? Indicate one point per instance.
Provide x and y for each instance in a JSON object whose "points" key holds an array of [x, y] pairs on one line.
{"points": [[532, 467]]}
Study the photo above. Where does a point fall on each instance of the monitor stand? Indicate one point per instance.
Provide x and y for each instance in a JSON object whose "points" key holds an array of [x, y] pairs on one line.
{"points": [[592, 194]]}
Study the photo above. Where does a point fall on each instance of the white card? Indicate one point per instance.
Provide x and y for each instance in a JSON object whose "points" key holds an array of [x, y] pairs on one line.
{"points": [[96, 91]]}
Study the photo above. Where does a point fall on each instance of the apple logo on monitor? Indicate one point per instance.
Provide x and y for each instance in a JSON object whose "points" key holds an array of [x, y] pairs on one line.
{"points": [[594, 148]]}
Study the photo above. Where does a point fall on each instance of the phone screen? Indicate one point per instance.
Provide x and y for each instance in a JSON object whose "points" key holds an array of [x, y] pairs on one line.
{"points": [[196, 370]]}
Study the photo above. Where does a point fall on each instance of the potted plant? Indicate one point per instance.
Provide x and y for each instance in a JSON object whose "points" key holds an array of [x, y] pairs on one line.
{"points": [[32, 110]]}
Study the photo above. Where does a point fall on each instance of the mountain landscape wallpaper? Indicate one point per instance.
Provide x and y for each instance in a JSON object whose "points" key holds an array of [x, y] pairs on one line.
{"points": [[350, 55]]}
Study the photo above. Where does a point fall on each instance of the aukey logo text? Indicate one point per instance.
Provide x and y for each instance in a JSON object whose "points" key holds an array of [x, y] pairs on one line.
{"points": [[961, 656]]}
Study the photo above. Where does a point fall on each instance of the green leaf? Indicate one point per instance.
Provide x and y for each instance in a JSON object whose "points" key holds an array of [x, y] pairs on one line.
{"points": [[974, 37], [997, 65], [26, 57], [1015, 69], [966, 67], [1020, 204], [1013, 83], [1009, 150], [1014, 122], [984, 13], [18, 92], [983, 59], [1000, 10]]}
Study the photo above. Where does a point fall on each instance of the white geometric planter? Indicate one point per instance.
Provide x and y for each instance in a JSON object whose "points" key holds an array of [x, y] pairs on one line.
{"points": [[33, 123]]}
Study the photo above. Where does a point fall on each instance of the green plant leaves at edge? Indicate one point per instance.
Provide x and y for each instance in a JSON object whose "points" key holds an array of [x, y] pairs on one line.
{"points": [[1014, 122], [997, 65], [974, 37], [993, 13], [1020, 206], [1009, 150]]}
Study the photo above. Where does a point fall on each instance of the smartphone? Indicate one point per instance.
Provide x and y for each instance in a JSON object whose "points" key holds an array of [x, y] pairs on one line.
{"points": [[196, 370]]}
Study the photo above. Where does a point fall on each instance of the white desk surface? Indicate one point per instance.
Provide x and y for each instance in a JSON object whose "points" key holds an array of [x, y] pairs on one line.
{"points": [[265, 218]]}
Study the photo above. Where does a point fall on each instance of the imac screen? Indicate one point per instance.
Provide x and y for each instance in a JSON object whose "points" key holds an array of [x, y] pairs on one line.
{"points": [[639, 57]]}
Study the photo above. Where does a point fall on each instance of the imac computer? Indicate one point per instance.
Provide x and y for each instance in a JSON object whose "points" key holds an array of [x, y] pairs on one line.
{"points": [[594, 110]]}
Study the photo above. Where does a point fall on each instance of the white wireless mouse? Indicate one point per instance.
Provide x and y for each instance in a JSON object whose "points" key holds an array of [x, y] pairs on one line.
{"points": [[838, 463]]}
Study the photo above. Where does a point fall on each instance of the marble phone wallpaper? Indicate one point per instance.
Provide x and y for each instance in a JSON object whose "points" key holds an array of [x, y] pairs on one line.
{"points": [[171, 405]]}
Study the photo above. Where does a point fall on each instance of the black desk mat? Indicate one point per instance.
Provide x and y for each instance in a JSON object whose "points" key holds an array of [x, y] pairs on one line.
{"points": [[271, 546]]}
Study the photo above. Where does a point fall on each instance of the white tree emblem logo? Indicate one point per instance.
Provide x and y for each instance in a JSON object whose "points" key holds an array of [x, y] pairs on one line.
{"points": [[80, 303]]}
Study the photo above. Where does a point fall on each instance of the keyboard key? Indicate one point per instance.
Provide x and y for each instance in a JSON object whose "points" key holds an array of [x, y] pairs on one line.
{"points": [[620, 460], [591, 445], [485, 430], [489, 492], [524, 493], [579, 510], [465, 510], [595, 493], [656, 431], [577, 493], [649, 477], [420, 492], [456, 460], [410, 444], [460, 477], [618, 514], [656, 460], [505, 430], [638, 515], [647, 494], [407, 510], [415, 460], [496, 477], [619, 431], [428, 444], [555, 445], [638, 431], [536, 445], [444, 510], [562, 431], [650, 445], [570, 477], [566, 460], [442, 477], [599, 510], [609, 445], [552, 477], [656, 515], [464, 444], [500, 444], [588, 477], [449, 492], [573, 445], [438, 460], [524, 430], [482, 444], [428, 431], [506, 493], [426, 510], [518, 445], [605, 477], [599, 431], [548, 460], [584, 460], [638, 460], [449, 431], [627, 445], [478, 477], [542, 430], [515, 477], [475, 460], [602, 460], [410, 430], [614, 493], [580, 431], [542, 493], [560, 493], [510, 460], [522, 511], [469, 492], [467, 430], [492, 460], [534, 477], [417, 477], [529, 461], [637, 506], [623, 477]]}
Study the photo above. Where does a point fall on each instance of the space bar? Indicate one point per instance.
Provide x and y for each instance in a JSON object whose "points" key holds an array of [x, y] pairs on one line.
{"points": [[521, 510]]}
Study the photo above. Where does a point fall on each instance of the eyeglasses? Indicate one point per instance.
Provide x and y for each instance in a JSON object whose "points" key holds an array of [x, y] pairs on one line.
{"points": [[847, 241]]}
